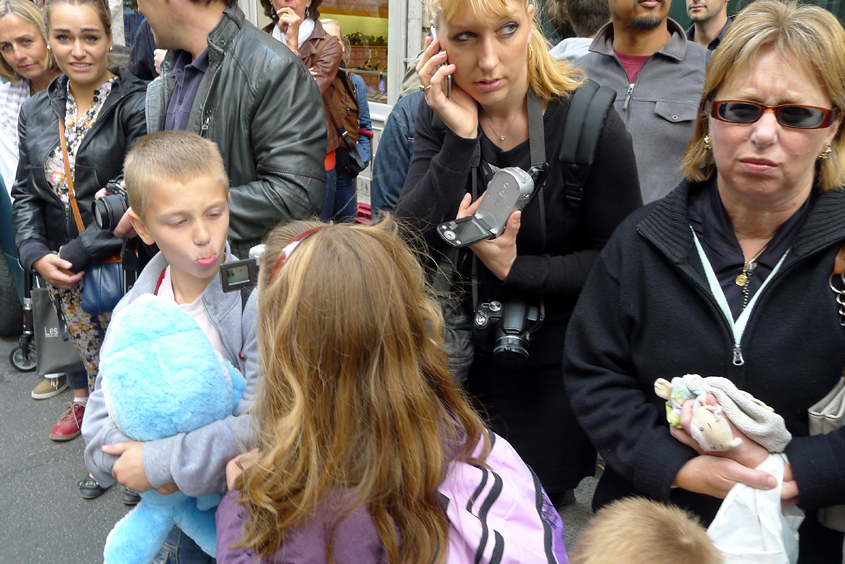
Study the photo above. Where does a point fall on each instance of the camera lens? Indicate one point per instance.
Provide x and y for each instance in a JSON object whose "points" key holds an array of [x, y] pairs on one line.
{"points": [[101, 217], [511, 351], [108, 210]]}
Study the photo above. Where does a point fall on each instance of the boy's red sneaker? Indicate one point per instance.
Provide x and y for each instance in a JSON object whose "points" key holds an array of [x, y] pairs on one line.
{"points": [[70, 423]]}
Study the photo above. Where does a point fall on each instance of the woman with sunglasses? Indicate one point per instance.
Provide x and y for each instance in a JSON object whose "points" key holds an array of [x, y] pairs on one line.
{"points": [[728, 276]]}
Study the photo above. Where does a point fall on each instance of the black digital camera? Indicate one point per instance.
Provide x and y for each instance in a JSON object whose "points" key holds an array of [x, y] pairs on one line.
{"points": [[513, 322], [109, 209], [242, 274]]}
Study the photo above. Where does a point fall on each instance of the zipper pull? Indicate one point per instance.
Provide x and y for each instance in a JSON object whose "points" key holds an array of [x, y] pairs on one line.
{"points": [[628, 96], [738, 360]]}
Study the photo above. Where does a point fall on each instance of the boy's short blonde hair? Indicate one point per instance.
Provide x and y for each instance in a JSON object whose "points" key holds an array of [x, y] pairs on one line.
{"points": [[170, 156], [640, 530]]}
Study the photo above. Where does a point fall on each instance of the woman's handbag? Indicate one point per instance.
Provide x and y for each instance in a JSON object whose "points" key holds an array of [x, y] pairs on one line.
{"points": [[828, 414], [54, 354], [103, 280]]}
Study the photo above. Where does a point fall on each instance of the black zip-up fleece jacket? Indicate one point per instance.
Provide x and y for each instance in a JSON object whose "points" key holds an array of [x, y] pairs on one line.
{"points": [[647, 312], [42, 222]]}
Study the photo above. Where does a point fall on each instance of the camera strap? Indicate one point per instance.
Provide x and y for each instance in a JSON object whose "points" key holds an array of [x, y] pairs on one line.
{"points": [[539, 168]]}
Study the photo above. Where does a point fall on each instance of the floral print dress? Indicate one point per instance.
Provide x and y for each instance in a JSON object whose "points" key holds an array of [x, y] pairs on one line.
{"points": [[86, 331]]}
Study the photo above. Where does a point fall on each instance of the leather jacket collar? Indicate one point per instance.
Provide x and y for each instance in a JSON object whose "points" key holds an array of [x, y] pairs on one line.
{"points": [[125, 84]]}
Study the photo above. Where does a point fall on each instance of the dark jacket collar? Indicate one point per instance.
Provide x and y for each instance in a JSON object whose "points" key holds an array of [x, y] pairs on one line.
{"points": [[126, 83], [667, 225], [715, 43], [675, 48]]}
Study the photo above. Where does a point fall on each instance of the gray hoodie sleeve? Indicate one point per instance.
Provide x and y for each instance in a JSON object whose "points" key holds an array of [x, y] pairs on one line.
{"points": [[195, 461]]}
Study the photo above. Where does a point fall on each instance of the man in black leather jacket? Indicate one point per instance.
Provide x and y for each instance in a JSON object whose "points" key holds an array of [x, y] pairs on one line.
{"points": [[255, 100]]}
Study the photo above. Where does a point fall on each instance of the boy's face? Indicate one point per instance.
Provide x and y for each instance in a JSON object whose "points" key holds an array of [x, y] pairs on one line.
{"points": [[189, 223]]}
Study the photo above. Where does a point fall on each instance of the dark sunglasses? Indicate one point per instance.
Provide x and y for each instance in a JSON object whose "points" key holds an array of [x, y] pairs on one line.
{"points": [[788, 115]]}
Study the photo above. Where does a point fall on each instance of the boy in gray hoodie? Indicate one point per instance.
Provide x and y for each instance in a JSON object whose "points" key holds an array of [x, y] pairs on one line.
{"points": [[179, 192]]}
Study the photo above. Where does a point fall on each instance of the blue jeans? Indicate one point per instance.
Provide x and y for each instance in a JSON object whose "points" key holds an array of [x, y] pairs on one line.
{"points": [[345, 197], [179, 548], [328, 198]]}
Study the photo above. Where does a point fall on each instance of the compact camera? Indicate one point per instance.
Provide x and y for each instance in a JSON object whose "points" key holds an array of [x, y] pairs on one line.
{"points": [[512, 323], [242, 274], [509, 190], [109, 209]]}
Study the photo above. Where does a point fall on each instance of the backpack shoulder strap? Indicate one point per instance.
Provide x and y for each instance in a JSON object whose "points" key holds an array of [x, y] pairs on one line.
{"points": [[588, 110]]}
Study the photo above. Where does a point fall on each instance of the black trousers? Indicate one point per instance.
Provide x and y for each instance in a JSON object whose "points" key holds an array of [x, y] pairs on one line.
{"points": [[530, 408]]}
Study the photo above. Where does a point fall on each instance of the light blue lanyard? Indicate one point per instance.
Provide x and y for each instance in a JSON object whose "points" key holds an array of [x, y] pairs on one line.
{"points": [[738, 326]]}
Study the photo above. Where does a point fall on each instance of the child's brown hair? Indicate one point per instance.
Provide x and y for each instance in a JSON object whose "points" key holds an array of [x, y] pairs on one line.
{"points": [[356, 406]]}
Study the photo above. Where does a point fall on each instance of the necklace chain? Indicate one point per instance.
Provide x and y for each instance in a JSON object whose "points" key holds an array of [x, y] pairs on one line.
{"points": [[742, 279], [490, 122]]}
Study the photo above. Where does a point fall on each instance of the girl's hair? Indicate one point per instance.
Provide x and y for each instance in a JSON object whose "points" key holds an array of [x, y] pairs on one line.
{"points": [[548, 77], [100, 6], [30, 13], [811, 35], [310, 12], [356, 406]]}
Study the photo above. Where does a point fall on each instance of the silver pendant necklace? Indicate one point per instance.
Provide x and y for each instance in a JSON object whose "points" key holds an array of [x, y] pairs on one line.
{"points": [[490, 122]]}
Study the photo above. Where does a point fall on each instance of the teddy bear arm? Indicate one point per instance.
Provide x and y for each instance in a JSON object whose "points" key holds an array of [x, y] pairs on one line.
{"points": [[139, 535], [199, 525]]}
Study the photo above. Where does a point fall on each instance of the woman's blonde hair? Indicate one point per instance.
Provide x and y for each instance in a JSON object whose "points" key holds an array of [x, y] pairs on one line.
{"points": [[356, 406], [30, 13], [548, 77], [811, 35]]}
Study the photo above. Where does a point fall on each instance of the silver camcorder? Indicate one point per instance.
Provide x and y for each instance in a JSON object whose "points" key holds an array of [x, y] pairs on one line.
{"points": [[509, 190], [242, 274]]}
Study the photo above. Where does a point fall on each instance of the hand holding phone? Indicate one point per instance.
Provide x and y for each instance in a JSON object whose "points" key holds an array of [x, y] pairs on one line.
{"points": [[446, 85]]}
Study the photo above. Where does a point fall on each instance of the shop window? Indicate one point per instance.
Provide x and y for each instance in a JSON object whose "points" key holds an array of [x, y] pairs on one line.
{"points": [[364, 25]]}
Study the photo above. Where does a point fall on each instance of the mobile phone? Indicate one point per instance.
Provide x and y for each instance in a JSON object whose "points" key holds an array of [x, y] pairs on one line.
{"points": [[509, 190], [446, 85]]}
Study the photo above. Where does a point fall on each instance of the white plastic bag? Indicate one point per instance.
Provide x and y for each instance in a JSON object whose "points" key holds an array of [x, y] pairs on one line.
{"points": [[751, 527]]}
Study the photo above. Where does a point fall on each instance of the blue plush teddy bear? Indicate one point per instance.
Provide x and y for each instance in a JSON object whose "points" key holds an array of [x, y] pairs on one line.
{"points": [[160, 377]]}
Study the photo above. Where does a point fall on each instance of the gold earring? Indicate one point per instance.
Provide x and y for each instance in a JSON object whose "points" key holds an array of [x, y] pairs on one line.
{"points": [[707, 145], [826, 153], [530, 51], [111, 48], [49, 48]]}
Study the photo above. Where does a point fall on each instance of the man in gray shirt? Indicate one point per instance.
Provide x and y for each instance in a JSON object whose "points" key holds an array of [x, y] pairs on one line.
{"points": [[658, 76]]}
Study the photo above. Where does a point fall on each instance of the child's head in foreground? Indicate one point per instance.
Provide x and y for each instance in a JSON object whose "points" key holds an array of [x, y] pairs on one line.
{"points": [[356, 395], [179, 194], [640, 531]]}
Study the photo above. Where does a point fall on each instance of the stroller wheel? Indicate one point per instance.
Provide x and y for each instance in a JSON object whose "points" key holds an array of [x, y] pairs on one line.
{"points": [[24, 363]]}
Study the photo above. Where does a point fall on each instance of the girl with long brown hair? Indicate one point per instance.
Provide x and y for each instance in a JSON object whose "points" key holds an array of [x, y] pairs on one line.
{"points": [[362, 432]]}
